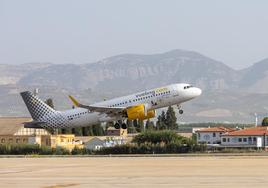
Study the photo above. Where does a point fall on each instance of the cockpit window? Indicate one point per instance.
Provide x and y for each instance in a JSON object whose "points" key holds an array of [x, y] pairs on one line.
{"points": [[187, 87]]}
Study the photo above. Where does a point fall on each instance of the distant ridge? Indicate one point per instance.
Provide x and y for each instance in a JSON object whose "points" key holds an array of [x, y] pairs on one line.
{"points": [[228, 95], [129, 69]]}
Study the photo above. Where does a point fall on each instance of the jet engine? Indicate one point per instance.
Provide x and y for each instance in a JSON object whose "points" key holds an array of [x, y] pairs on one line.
{"points": [[140, 112]]}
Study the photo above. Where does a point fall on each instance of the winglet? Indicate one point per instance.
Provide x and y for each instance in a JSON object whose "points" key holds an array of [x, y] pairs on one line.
{"points": [[75, 102]]}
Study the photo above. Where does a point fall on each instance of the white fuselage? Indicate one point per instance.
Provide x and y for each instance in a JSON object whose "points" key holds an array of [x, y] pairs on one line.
{"points": [[174, 94]]}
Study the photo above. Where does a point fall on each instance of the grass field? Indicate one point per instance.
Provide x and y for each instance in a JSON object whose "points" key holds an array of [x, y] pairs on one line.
{"points": [[236, 171]]}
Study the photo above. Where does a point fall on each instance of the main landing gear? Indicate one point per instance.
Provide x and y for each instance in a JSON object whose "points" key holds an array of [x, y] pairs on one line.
{"points": [[119, 125], [180, 109]]}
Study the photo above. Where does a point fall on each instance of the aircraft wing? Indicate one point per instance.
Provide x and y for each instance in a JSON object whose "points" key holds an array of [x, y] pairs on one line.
{"points": [[101, 109]]}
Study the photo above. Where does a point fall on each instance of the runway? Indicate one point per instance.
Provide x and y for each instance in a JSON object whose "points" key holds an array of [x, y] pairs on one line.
{"points": [[139, 172]]}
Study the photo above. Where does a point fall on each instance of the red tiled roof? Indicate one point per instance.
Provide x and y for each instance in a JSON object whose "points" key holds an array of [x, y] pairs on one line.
{"points": [[255, 131], [216, 129]]}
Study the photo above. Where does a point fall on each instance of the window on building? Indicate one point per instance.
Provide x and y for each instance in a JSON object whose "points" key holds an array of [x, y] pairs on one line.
{"points": [[214, 134], [24, 140], [228, 139], [10, 140], [245, 139], [254, 139], [17, 140], [239, 139], [223, 139], [2, 140]]}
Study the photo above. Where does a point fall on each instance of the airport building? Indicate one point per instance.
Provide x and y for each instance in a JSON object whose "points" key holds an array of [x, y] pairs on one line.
{"points": [[250, 137], [211, 135], [12, 131], [255, 137], [67, 141], [98, 142]]}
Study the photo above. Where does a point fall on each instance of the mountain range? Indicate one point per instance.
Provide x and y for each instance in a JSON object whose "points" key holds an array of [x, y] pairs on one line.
{"points": [[236, 93]]}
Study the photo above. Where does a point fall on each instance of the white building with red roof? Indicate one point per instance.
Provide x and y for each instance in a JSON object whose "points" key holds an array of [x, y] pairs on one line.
{"points": [[250, 137], [212, 135]]}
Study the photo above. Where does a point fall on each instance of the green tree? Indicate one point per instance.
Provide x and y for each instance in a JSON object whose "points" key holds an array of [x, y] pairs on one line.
{"points": [[66, 131], [77, 131], [135, 123], [97, 130], [265, 121], [138, 124], [171, 120], [130, 127], [158, 137], [161, 121], [49, 102], [87, 131], [149, 125]]}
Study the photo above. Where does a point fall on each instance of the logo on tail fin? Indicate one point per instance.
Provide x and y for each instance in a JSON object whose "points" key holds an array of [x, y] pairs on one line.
{"points": [[36, 107]]}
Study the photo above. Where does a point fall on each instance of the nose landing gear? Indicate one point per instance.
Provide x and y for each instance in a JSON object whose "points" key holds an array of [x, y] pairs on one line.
{"points": [[180, 109]]}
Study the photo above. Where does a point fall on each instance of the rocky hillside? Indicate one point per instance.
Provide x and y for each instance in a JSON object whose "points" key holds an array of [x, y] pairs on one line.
{"points": [[255, 78], [12, 74], [138, 72], [228, 94]]}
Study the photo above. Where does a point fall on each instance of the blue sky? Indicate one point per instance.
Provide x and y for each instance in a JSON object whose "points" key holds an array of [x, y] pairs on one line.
{"points": [[63, 31]]}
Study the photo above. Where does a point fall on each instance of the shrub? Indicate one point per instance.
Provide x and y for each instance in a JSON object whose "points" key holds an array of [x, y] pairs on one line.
{"points": [[156, 137], [81, 151], [60, 151], [149, 148]]}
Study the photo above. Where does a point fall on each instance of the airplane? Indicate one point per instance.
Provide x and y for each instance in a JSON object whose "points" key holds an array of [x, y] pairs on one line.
{"points": [[140, 106]]}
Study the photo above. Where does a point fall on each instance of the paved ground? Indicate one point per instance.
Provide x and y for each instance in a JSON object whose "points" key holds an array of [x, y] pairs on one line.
{"points": [[135, 172]]}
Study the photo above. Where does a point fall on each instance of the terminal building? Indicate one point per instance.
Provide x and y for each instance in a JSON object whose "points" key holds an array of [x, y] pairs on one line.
{"points": [[12, 131], [211, 135], [254, 137], [250, 137]]}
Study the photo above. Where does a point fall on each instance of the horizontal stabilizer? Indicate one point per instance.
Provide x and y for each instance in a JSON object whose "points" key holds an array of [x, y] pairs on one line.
{"points": [[34, 124]]}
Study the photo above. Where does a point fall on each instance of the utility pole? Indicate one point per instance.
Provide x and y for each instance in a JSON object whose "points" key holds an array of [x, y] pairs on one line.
{"points": [[256, 119]]}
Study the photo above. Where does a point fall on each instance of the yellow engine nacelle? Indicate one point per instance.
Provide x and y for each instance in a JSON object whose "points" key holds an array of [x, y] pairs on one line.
{"points": [[138, 112]]}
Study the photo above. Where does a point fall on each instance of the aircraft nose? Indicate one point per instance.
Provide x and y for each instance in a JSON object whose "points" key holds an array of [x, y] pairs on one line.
{"points": [[198, 91]]}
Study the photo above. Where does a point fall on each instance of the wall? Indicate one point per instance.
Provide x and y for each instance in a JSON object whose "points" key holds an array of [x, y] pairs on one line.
{"points": [[209, 137], [243, 141]]}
